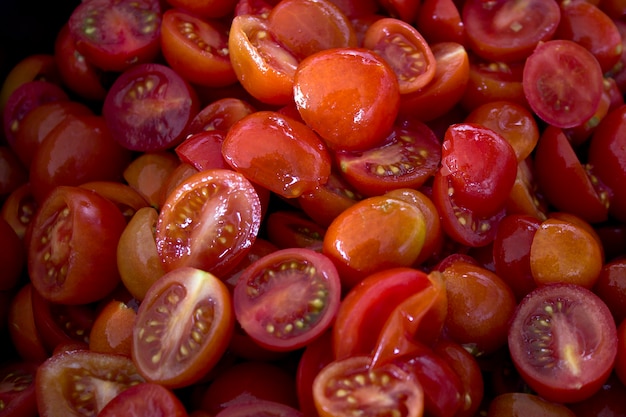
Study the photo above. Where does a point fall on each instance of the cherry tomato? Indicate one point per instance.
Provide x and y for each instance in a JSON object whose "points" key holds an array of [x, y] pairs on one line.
{"points": [[17, 394], [149, 107], [287, 298], [112, 329], [22, 327], [405, 10], [524, 404], [315, 356], [552, 77], [440, 21], [205, 9], [12, 256], [18, 210], [352, 113], [77, 382], [611, 287], [114, 35], [277, 152], [563, 341], [72, 252], [259, 407], [148, 172], [142, 398], [209, 221], [509, 31], [292, 229], [350, 384], [196, 49], [183, 327], [122, 195]]}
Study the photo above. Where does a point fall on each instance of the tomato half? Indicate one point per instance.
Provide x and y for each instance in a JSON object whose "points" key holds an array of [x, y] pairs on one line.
{"points": [[17, 389], [144, 398], [563, 341], [73, 249], [209, 221], [183, 327], [287, 298]]}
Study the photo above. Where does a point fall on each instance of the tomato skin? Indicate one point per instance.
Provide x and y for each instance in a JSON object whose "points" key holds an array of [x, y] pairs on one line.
{"points": [[277, 152], [206, 9], [12, 257], [22, 328], [259, 407], [196, 49], [18, 209], [114, 35], [524, 404], [142, 398], [148, 172], [220, 115], [200, 304], [315, 356], [570, 309], [72, 252], [18, 391], [440, 21], [611, 287], [292, 229], [620, 360], [352, 114], [112, 329]]}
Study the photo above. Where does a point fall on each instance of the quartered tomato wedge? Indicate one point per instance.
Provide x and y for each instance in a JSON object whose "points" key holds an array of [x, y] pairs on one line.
{"points": [[183, 327], [209, 221]]}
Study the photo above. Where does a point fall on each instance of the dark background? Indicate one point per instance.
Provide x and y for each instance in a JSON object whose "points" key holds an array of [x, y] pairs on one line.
{"points": [[29, 26]]}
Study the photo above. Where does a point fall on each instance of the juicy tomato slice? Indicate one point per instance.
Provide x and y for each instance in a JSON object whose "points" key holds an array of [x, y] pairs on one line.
{"points": [[114, 35], [563, 341], [209, 221], [480, 166], [196, 49], [348, 385], [292, 229], [220, 114], [287, 298], [551, 80], [73, 248], [352, 113], [310, 26], [149, 107], [138, 399], [263, 66], [203, 150], [366, 307], [147, 173], [406, 159], [509, 31], [80, 382], [440, 21], [557, 163], [277, 152], [405, 49], [183, 327], [17, 389], [259, 407]]}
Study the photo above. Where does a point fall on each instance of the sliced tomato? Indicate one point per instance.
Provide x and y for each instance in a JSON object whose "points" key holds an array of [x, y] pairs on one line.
{"points": [[220, 114], [114, 35], [551, 80], [203, 150], [405, 49], [292, 229], [287, 298], [259, 407], [79, 382], [563, 341], [183, 327], [145, 397], [17, 389], [197, 49], [22, 329], [209, 221], [440, 21], [351, 385]]}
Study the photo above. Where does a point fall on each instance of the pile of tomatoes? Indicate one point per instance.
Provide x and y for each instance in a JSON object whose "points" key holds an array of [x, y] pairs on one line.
{"points": [[316, 208]]}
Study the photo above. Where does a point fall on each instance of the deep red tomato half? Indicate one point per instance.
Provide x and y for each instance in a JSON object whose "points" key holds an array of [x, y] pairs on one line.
{"points": [[73, 248], [149, 106], [209, 221], [17, 389], [260, 408], [116, 34], [183, 327], [563, 341], [142, 399], [287, 298]]}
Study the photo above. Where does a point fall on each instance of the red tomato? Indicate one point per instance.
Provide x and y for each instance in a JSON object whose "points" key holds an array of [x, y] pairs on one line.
{"points": [[406, 10], [112, 329], [315, 356], [17, 393], [114, 35], [563, 341], [220, 114], [183, 327], [611, 287], [22, 327], [12, 257], [552, 77], [122, 195], [405, 49], [509, 31], [440, 21], [352, 113], [291, 229], [277, 152], [351, 384], [148, 173], [620, 360], [209, 221], [287, 298], [407, 158], [525, 404], [196, 49], [18, 210], [205, 9], [145, 397], [73, 249], [149, 107], [77, 382], [259, 407], [203, 150]]}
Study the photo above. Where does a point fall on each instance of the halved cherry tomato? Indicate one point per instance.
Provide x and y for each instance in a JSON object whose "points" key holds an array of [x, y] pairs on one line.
{"points": [[183, 327], [17, 390], [77, 382], [114, 35], [292, 229], [18, 210], [145, 397], [405, 10], [149, 107], [525, 404], [287, 298], [352, 113], [22, 327], [315, 356], [509, 31], [440, 21], [611, 287], [220, 114], [73, 249], [123, 196], [552, 77], [205, 9], [112, 329], [277, 152], [405, 49], [148, 172], [563, 341], [196, 49]]}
